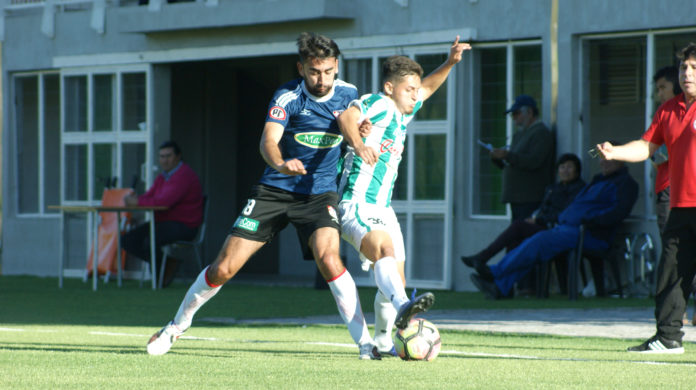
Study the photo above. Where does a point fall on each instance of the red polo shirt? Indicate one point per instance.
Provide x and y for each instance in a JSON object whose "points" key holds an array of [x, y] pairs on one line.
{"points": [[675, 127]]}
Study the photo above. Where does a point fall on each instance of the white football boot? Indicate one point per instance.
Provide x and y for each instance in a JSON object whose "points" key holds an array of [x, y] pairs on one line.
{"points": [[162, 341], [368, 351]]}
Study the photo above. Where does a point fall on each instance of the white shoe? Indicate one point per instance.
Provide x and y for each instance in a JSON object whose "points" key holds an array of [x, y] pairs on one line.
{"points": [[162, 341], [368, 351]]}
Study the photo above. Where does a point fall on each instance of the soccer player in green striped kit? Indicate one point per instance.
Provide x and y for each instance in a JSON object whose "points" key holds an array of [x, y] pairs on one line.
{"points": [[369, 171]]}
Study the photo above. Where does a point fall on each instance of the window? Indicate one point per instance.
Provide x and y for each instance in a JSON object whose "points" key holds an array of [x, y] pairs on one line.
{"points": [[105, 132], [504, 71], [37, 123], [617, 104], [616, 100]]}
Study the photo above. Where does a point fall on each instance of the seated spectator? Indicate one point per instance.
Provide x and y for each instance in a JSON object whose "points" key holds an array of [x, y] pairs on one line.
{"points": [[556, 198], [600, 206], [179, 189]]}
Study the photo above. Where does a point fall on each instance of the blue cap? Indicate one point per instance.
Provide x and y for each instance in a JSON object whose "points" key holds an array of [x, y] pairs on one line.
{"points": [[521, 101]]}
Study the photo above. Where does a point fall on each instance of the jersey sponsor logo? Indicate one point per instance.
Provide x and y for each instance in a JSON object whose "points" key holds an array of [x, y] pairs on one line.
{"points": [[278, 113], [306, 112], [388, 146], [376, 221], [319, 139], [247, 223]]}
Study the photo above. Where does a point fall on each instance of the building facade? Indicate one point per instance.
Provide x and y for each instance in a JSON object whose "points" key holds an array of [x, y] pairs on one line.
{"points": [[92, 87]]}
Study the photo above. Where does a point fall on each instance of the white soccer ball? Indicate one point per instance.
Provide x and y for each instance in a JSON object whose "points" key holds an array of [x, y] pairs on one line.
{"points": [[420, 340]]}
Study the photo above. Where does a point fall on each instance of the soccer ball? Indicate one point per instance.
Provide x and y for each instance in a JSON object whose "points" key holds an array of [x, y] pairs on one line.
{"points": [[420, 340]]}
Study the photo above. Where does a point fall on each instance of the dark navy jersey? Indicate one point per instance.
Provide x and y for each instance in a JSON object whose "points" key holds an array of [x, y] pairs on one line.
{"points": [[311, 135]]}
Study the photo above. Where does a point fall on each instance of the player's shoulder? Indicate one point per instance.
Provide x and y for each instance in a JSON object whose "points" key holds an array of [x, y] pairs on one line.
{"points": [[288, 92], [343, 88], [375, 101], [341, 84]]}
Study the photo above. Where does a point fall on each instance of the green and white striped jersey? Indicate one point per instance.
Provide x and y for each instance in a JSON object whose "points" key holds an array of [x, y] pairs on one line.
{"points": [[374, 184]]}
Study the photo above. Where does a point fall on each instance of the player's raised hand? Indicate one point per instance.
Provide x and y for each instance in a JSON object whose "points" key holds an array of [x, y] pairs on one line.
{"points": [[456, 51], [367, 154], [292, 167]]}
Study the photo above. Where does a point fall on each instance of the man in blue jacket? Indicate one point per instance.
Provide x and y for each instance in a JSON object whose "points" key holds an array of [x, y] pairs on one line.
{"points": [[600, 206]]}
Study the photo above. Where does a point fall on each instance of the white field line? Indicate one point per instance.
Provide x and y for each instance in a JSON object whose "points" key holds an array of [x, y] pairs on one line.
{"points": [[344, 345], [143, 335]]}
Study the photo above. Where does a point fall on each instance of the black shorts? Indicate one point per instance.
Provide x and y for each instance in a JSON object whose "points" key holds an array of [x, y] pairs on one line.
{"points": [[269, 210]]}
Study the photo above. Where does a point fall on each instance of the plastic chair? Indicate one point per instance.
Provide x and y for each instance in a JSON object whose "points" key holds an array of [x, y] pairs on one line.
{"points": [[196, 244], [109, 231], [596, 258]]}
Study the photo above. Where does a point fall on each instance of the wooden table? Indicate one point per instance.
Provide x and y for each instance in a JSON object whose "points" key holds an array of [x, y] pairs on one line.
{"points": [[95, 210]]}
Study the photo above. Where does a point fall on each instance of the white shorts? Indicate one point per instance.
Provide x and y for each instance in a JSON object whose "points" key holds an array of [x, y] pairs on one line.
{"points": [[358, 219]]}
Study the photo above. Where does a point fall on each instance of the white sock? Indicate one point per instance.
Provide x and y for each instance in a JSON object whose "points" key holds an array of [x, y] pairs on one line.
{"points": [[385, 315], [197, 295], [389, 281], [346, 295]]}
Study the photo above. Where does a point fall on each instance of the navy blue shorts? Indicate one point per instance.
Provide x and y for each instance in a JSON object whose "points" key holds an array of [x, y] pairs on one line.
{"points": [[269, 210]]}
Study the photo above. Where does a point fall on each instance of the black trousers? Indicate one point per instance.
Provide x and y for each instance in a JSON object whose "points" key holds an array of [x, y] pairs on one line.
{"points": [[662, 209], [137, 241], [521, 211], [676, 271]]}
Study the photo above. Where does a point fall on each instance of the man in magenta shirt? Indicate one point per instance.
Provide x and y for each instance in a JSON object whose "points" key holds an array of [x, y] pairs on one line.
{"points": [[177, 188], [674, 125]]}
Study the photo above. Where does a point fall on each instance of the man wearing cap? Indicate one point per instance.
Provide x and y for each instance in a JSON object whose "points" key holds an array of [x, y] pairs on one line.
{"points": [[528, 163]]}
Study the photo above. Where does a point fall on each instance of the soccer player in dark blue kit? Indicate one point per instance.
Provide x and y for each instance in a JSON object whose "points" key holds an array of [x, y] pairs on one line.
{"points": [[301, 145]]}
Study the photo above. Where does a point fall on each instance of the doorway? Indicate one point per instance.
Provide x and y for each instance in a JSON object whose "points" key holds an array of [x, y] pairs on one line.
{"points": [[218, 109]]}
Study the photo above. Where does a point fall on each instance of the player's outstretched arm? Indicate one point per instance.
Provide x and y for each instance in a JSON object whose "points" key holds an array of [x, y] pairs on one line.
{"points": [[348, 124], [432, 82], [270, 151], [634, 151]]}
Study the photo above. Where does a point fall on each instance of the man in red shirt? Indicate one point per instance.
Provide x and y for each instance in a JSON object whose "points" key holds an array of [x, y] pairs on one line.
{"points": [[674, 125], [179, 189]]}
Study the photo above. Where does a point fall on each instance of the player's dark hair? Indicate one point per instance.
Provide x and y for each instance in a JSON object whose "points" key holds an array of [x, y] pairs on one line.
{"points": [[311, 45], [687, 52], [171, 144], [397, 67], [671, 74], [570, 157]]}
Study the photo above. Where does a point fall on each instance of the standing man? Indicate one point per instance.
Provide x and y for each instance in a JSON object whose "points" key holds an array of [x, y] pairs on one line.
{"points": [[674, 125], [528, 164], [370, 168], [179, 189], [666, 81], [301, 145]]}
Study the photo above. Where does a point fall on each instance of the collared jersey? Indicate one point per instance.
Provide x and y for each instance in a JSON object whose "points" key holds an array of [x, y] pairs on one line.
{"points": [[311, 135], [374, 184], [675, 126]]}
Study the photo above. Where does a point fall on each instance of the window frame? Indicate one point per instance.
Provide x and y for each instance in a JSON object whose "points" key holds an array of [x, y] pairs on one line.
{"points": [[473, 146], [117, 137], [40, 159]]}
